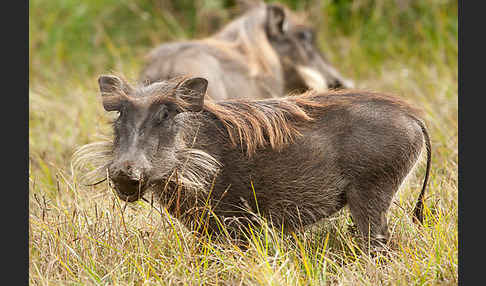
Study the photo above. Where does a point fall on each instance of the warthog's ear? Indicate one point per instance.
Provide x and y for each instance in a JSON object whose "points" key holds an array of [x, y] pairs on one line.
{"points": [[276, 23], [112, 89], [111, 83], [192, 92]]}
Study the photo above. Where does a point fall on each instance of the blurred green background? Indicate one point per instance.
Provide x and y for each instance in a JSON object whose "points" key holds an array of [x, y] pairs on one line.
{"points": [[80, 38]]}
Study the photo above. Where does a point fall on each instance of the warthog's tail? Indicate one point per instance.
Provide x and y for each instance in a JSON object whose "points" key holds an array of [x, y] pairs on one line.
{"points": [[418, 212]]}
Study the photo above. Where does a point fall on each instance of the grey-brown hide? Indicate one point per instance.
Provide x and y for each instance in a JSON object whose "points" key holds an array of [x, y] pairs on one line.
{"points": [[267, 52], [305, 156]]}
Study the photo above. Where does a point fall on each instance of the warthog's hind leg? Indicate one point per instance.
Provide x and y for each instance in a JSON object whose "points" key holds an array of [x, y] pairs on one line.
{"points": [[368, 210]]}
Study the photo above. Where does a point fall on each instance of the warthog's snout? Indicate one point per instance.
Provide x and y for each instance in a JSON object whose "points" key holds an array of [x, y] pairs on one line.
{"points": [[130, 179]]}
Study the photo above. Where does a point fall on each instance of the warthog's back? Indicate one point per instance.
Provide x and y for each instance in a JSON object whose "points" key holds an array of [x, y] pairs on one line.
{"points": [[364, 141]]}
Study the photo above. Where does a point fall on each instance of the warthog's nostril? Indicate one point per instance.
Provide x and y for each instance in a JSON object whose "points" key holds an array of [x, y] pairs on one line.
{"points": [[128, 172], [134, 174]]}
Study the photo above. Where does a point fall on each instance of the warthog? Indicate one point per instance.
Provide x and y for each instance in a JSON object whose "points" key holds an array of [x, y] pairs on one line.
{"points": [[265, 53], [295, 159]]}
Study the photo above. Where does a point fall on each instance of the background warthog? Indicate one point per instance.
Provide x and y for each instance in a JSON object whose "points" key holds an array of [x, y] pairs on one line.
{"points": [[305, 156], [267, 52]]}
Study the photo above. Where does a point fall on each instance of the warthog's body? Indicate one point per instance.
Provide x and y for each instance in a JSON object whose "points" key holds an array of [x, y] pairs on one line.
{"points": [[265, 53], [305, 156]]}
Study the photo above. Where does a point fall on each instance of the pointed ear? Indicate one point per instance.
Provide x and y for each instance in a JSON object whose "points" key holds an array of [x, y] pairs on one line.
{"points": [[110, 87], [276, 23], [192, 92], [112, 83]]}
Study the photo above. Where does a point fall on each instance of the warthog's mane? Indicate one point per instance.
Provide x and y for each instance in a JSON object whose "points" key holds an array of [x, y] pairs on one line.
{"points": [[254, 124], [245, 39], [276, 122]]}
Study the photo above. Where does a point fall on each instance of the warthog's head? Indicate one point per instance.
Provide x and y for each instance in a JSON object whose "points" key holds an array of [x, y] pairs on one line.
{"points": [[303, 63], [148, 141]]}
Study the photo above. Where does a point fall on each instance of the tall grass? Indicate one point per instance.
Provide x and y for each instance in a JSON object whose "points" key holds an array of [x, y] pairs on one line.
{"points": [[85, 236]]}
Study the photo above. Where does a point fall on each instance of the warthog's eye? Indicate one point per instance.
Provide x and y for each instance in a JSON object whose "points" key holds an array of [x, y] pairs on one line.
{"points": [[162, 115], [306, 35]]}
